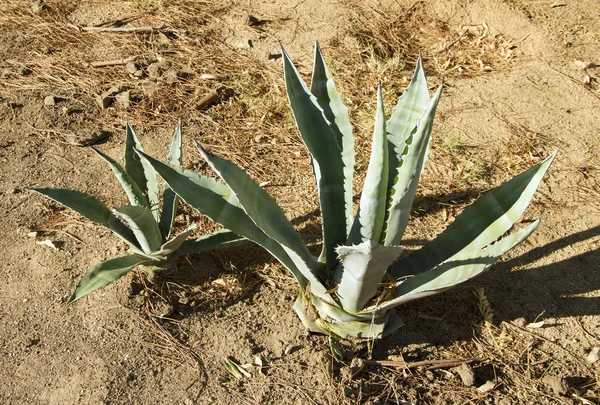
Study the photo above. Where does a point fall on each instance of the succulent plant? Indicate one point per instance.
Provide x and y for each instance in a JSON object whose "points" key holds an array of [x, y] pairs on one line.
{"points": [[141, 224], [351, 290]]}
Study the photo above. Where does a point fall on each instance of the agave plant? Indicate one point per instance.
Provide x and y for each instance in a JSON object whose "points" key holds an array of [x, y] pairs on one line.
{"points": [[351, 290], [145, 228]]}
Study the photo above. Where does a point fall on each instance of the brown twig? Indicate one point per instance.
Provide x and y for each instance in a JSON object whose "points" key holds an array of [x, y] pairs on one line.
{"points": [[115, 62], [127, 29], [432, 364]]}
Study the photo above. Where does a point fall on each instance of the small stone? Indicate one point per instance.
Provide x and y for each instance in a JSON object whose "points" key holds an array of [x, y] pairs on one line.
{"points": [[49, 101], [171, 76], [32, 234], [38, 5], [24, 71], [274, 56], [556, 384], [124, 99], [106, 99], [131, 67], [466, 374], [138, 74], [243, 44], [156, 69]]}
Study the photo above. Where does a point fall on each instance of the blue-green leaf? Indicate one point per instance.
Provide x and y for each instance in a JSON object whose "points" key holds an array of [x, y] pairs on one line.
{"points": [[457, 269], [329, 98], [134, 193], [369, 221], [479, 224], [326, 158], [408, 173], [170, 200], [143, 174], [361, 271], [92, 209], [220, 239], [143, 225], [101, 274]]}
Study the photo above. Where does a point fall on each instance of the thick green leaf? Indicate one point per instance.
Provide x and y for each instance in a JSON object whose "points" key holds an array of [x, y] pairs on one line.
{"points": [[369, 221], [267, 215], [143, 174], [101, 274], [361, 272], [220, 239], [134, 194], [168, 249], [143, 225], [329, 98], [92, 209], [170, 200], [408, 174], [219, 203], [326, 158], [480, 224], [457, 269]]}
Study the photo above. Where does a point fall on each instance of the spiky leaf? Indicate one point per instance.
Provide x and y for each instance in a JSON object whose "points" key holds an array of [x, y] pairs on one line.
{"points": [[92, 209], [170, 200], [143, 225], [143, 174], [104, 273], [408, 173], [480, 224], [361, 271], [326, 158], [329, 98], [369, 221], [220, 239]]}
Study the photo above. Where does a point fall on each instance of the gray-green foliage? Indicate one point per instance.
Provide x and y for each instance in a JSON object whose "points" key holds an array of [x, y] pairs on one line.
{"points": [[145, 224], [360, 276]]}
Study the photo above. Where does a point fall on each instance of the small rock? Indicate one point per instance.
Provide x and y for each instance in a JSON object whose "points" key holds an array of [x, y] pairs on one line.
{"points": [[556, 384], [274, 56], [243, 44], [156, 69], [162, 309], [124, 99], [38, 5], [24, 71], [138, 74], [131, 67], [106, 99], [49, 101], [466, 374], [171, 76]]}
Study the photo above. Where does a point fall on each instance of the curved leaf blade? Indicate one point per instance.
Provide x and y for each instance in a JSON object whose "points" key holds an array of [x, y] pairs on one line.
{"points": [[479, 224], [455, 270], [143, 174], [134, 193], [104, 273], [170, 200], [330, 100], [142, 223], [326, 158], [220, 239], [369, 221], [407, 174], [90, 208]]}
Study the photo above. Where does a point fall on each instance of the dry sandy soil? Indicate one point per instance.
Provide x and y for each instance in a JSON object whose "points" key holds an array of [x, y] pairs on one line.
{"points": [[522, 79]]}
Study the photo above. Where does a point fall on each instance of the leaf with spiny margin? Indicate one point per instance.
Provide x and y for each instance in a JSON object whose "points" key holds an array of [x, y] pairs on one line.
{"points": [[170, 200], [361, 271], [219, 203], [143, 174], [267, 215], [457, 269], [134, 194], [408, 174], [167, 250], [326, 158], [479, 224], [92, 209], [104, 273], [222, 238], [330, 100], [143, 225], [369, 222]]}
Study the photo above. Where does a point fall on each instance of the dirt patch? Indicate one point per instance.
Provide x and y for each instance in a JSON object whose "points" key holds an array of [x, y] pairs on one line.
{"points": [[521, 80]]}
